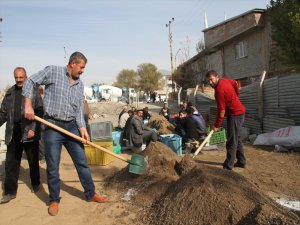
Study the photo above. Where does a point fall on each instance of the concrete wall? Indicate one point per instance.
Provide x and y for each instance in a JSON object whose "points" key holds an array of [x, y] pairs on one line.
{"points": [[221, 32], [251, 65]]}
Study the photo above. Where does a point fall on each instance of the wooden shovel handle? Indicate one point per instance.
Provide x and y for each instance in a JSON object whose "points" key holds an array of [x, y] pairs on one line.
{"points": [[203, 143], [79, 138]]}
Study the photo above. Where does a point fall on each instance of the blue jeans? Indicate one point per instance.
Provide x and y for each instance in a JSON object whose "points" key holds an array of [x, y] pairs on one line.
{"points": [[53, 144]]}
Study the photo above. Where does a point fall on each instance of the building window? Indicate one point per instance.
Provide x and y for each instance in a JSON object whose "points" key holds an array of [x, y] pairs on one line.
{"points": [[241, 50]]}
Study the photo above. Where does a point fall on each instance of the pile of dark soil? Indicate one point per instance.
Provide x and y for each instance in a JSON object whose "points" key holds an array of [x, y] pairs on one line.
{"points": [[161, 124], [161, 160], [186, 192], [207, 195]]}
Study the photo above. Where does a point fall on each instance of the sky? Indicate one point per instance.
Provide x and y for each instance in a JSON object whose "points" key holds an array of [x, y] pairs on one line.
{"points": [[112, 34]]}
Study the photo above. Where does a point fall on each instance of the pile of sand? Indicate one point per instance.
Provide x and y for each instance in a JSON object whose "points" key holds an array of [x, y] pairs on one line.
{"points": [[186, 192], [161, 124]]}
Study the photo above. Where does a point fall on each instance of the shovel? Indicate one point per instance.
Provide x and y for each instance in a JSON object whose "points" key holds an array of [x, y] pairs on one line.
{"points": [[137, 164], [203, 143]]}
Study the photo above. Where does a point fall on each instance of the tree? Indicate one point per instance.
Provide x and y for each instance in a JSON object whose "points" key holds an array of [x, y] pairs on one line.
{"points": [[285, 20], [149, 77], [200, 46], [126, 78]]}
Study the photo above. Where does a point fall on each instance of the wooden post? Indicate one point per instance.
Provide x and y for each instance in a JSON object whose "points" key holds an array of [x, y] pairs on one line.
{"points": [[261, 100]]}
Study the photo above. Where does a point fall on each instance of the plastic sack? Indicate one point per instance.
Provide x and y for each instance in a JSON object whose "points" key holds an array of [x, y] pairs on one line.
{"points": [[288, 136]]}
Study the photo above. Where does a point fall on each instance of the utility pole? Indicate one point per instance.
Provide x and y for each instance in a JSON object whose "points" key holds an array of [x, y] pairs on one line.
{"points": [[171, 52], [65, 57], [0, 32]]}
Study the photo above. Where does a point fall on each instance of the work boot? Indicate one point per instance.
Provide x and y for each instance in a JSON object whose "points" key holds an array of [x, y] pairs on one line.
{"points": [[6, 198], [225, 167], [53, 209], [35, 188], [98, 198], [239, 164]]}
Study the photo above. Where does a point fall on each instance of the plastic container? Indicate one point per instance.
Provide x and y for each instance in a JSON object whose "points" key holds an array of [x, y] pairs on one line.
{"points": [[218, 137], [117, 137], [173, 141], [101, 130], [95, 156], [117, 149]]}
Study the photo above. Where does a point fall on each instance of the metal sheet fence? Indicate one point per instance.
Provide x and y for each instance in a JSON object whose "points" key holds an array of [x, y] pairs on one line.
{"points": [[281, 101]]}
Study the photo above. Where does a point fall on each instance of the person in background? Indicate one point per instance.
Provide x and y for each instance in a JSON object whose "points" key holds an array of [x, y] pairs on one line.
{"points": [[124, 117], [229, 105], [124, 110], [137, 133], [20, 134], [198, 120], [146, 114], [186, 128], [63, 104], [165, 111], [190, 105], [133, 109], [183, 106]]}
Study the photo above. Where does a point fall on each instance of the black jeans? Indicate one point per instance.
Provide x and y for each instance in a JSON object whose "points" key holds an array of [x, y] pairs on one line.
{"points": [[234, 144], [13, 161]]}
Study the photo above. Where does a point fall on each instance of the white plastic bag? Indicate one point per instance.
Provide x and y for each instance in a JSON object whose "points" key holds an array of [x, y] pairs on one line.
{"points": [[288, 136]]}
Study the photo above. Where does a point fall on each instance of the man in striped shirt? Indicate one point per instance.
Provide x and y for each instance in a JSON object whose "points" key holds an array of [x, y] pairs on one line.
{"points": [[229, 105], [63, 105]]}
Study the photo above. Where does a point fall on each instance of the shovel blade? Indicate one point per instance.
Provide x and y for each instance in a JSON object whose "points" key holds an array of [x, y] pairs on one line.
{"points": [[138, 164]]}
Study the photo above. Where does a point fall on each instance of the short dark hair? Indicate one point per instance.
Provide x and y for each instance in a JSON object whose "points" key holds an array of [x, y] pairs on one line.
{"points": [[211, 73], [76, 57], [182, 111], [190, 110], [189, 104], [20, 68]]}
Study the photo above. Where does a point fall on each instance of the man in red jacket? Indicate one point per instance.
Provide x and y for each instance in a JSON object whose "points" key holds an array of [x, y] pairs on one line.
{"points": [[229, 105]]}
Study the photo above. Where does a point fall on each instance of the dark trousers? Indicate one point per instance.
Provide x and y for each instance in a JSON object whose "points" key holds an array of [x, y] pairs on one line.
{"points": [[149, 135], [234, 144], [13, 161]]}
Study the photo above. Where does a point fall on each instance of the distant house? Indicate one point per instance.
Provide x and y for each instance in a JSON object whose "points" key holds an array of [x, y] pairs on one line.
{"points": [[239, 48], [165, 83]]}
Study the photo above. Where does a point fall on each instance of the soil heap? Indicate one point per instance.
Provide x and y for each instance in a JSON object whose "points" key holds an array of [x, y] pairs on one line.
{"points": [[186, 192], [161, 124], [161, 162], [208, 195]]}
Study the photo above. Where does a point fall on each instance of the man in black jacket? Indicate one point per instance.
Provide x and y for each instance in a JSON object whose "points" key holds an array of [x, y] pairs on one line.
{"points": [[20, 134]]}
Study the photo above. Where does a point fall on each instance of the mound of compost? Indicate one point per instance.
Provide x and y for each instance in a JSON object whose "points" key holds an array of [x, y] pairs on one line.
{"points": [[161, 124], [208, 195]]}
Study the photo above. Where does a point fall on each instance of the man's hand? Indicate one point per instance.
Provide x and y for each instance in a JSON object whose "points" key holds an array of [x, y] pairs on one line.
{"points": [[215, 129], [84, 134], [30, 134], [29, 112]]}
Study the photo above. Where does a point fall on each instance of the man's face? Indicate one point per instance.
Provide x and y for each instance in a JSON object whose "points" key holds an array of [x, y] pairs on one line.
{"points": [[76, 69], [213, 80], [182, 115], [140, 113], [20, 77]]}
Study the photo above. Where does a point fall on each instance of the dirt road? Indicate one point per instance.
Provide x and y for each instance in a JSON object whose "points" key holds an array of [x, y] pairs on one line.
{"points": [[275, 174]]}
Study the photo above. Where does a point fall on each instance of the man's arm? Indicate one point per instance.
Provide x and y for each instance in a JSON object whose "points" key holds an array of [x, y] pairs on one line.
{"points": [[235, 86], [79, 117], [221, 111], [3, 111], [28, 90]]}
